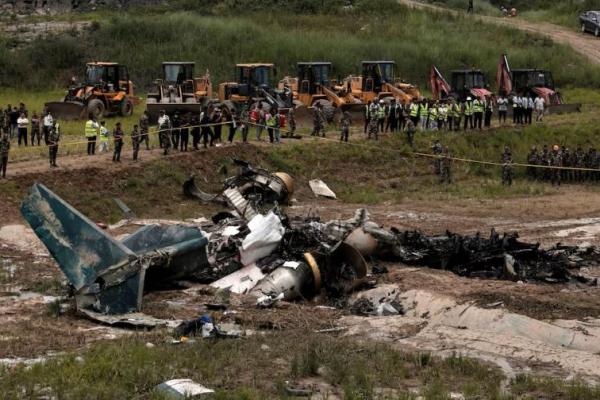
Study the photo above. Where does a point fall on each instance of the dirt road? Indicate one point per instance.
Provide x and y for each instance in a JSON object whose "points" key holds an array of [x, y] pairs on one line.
{"points": [[585, 44]]}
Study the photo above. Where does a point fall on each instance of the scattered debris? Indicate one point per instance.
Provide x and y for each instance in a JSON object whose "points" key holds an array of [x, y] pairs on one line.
{"points": [[319, 188], [183, 389]]}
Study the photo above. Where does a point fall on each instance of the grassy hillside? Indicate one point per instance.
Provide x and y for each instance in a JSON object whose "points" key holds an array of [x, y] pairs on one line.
{"points": [[415, 39]]}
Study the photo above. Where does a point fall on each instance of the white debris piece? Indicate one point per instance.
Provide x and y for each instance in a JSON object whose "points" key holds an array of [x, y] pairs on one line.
{"points": [[319, 188], [240, 281], [183, 388], [265, 234]]}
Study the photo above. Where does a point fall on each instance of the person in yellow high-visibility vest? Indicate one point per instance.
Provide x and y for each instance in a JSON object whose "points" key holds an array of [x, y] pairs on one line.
{"points": [[91, 132], [478, 113]]}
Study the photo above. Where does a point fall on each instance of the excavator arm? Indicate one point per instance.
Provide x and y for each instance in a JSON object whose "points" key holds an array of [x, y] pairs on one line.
{"points": [[398, 93]]}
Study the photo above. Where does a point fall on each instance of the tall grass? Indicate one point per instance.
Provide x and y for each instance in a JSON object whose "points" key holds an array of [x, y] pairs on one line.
{"points": [[415, 39]]}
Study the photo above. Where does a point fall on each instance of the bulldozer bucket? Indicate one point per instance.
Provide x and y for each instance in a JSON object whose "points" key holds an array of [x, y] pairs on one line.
{"points": [[66, 110], [303, 116]]}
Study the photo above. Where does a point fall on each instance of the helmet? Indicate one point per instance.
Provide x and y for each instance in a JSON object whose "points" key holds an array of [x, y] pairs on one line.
{"points": [[381, 101], [469, 98], [555, 147]]}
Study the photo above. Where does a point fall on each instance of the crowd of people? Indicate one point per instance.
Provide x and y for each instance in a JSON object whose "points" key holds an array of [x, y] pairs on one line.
{"points": [[576, 165], [449, 114]]}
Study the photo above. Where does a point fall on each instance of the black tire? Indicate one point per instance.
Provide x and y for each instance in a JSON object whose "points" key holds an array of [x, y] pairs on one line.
{"points": [[96, 108], [126, 109]]}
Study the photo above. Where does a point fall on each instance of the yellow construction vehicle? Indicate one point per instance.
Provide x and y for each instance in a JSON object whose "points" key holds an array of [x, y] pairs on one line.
{"points": [[313, 85], [106, 91], [178, 91], [378, 82], [254, 83]]}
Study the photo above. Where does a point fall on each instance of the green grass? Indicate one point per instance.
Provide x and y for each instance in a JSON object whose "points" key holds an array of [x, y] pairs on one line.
{"points": [[415, 39]]}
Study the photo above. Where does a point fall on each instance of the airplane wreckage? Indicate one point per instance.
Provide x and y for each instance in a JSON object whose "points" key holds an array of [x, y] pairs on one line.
{"points": [[255, 248]]}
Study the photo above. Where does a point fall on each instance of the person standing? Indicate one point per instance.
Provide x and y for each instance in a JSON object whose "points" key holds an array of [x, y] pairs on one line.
{"points": [[507, 167], [442, 116], [245, 123], [291, 122], [53, 140], [104, 138], [381, 116], [270, 122], [14, 117], [413, 112], [488, 111], [229, 116], [446, 166], [530, 106], [195, 121], [91, 132], [205, 130], [260, 114], [533, 159], [217, 120], [424, 114], [4, 150], [468, 112], [502, 109], [433, 117], [556, 163], [22, 123], [175, 125], [135, 142], [144, 123], [410, 132], [118, 142], [477, 113], [35, 129], [48, 122], [436, 150], [470, 7], [319, 121], [184, 135], [345, 122], [164, 127], [516, 103], [280, 125], [367, 115], [539, 106]]}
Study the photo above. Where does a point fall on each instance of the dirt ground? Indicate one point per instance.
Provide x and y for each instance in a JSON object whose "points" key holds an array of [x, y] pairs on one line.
{"points": [[30, 281]]}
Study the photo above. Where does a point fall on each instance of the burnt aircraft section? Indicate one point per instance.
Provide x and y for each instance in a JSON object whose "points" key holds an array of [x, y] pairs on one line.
{"points": [[254, 248]]}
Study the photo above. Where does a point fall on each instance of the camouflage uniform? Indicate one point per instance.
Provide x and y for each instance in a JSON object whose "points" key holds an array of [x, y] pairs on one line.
{"points": [[144, 129], [437, 149], [373, 128], [565, 174], [318, 122], [135, 142], [4, 149], [533, 158], [291, 123], [445, 167], [507, 168], [579, 162], [556, 161], [545, 160], [53, 139], [346, 121]]}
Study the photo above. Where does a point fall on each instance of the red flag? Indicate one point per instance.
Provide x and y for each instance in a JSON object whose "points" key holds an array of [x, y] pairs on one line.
{"points": [[439, 86], [503, 78]]}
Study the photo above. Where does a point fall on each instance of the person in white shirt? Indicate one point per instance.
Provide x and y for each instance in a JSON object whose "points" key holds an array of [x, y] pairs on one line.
{"points": [[22, 123], [47, 125], [539, 106], [502, 109], [516, 109]]}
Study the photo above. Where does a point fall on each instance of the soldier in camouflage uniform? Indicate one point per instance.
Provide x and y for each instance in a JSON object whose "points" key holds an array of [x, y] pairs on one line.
{"points": [[545, 160], [346, 121], [507, 167], [164, 128], [533, 158], [565, 174], [556, 162], [318, 121], [291, 123], [437, 149], [579, 162], [373, 128], [445, 167], [144, 129], [4, 150], [53, 139]]}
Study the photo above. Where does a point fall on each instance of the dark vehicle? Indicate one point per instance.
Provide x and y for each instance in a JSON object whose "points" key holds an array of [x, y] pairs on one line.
{"points": [[590, 22], [471, 82]]}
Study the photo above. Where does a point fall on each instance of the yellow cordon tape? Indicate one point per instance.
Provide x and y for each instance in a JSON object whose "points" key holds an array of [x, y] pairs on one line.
{"points": [[372, 147]]}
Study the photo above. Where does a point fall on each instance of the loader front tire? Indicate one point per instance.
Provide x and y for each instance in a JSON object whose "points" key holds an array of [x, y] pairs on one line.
{"points": [[96, 108], [126, 109]]}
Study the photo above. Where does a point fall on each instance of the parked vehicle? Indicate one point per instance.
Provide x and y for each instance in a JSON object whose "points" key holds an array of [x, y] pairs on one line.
{"points": [[590, 22]]}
